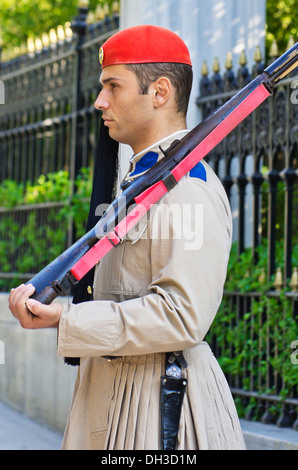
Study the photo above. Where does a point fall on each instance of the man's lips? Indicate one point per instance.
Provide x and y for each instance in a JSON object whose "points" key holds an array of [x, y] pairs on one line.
{"points": [[106, 120]]}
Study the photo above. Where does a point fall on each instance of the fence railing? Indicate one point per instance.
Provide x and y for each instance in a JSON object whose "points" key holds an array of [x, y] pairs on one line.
{"points": [[256, 328]]}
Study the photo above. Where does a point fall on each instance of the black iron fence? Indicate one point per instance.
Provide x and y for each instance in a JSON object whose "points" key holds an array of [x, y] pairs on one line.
{"points": [[49, 125], [49, 95], [255, 335]]}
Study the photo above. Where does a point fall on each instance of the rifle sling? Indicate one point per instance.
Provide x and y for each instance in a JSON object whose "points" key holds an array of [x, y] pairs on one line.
{"points": [[155, 192]]}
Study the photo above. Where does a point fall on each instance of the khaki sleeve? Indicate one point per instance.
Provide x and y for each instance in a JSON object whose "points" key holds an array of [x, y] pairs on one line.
{"points": [[189, 252]]}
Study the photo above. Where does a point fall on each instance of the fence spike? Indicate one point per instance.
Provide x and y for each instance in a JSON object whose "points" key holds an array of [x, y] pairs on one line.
{"points": [[216, 66], [258, 55], [106, 9], [99, 13], [68, 31], [278, 280], [294, 280], [83, 3], [30, 46], [53, 36], [90, 17], [242, 59], [262, 276], [204, 69], [273, 53], [38, 45], [60, 33], [229, 61], [116, 7], [45, 40], [291, 42]]}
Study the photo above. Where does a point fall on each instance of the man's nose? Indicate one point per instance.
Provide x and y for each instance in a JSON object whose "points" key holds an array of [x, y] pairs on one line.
{"points": [[101, 102]]}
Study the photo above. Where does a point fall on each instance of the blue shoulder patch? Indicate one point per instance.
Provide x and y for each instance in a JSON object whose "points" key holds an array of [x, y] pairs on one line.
{"points": [[146, 162], [199, 172]]}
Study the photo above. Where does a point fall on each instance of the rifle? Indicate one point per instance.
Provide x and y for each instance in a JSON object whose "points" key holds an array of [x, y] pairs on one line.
{"points": [[65, 271]]}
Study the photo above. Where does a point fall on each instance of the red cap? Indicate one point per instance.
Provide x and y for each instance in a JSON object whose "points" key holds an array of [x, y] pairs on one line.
{"points": [[142, 45]]}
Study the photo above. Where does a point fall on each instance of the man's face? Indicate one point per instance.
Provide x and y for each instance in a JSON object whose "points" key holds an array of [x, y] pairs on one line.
{"points": [[126, 112]]}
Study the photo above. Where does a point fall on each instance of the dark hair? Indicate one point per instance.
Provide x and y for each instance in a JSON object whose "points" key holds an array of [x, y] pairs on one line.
{"points": [[180, 75]]}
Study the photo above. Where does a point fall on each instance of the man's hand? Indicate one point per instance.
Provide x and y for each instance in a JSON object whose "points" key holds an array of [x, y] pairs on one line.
{"points": [[31, 313]]}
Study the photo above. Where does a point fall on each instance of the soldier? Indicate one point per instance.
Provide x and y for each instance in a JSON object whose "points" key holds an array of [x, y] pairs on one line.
{"points": [[159, 290]]}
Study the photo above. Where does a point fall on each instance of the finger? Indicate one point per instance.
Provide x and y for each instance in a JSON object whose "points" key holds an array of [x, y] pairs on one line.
{"points": [[28, 289], [21, 293], [15, 292], [17, 301], [23, 288]]}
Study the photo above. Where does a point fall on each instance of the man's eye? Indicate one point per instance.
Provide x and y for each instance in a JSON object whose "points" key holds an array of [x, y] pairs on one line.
{"points": [[113, 85]]}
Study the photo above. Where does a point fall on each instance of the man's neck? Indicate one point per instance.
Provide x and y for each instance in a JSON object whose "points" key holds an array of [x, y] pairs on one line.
{"points": [[158, 133], [163, 143]]}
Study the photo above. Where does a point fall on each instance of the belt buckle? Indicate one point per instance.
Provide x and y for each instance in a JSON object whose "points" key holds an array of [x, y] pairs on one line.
{"points": [[112, 241]]}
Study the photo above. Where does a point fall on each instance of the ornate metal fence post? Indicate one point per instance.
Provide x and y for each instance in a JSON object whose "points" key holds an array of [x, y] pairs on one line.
{"points": [[78, 26]]}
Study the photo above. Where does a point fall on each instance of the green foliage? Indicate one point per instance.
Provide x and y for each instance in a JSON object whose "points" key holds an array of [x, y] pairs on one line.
{"points": [[53, 187], [21, 19], [30, 239], [80, 201], [50, 188], [11, 193], [281, 22], [255, 327]]}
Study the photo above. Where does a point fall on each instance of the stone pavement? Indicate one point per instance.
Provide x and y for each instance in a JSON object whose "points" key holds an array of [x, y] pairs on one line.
{"points": [[18, 432], [259, 436]]}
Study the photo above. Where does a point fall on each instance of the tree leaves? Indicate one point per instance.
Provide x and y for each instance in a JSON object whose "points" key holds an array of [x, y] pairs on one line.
{"points": [[21, 19]]}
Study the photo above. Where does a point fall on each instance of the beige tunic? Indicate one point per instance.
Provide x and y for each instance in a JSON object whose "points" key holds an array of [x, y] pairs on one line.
{"points": [[156, 292]]}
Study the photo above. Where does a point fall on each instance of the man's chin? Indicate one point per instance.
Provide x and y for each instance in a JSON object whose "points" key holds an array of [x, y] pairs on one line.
{"points": [[115, 136]]}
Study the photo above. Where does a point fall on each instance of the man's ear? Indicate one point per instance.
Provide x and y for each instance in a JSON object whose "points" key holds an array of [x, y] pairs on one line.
{"points": [[162, 91]]}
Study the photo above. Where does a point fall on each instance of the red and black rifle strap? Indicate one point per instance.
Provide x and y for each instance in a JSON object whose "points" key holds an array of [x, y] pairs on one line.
{"points": [[153, 194]]}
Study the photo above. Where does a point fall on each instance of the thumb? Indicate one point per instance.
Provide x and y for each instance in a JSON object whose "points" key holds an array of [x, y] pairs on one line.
{"points": [[34, 306], [41, 310]]}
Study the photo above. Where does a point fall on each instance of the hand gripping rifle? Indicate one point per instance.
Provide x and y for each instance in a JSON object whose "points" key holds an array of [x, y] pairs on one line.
{"points": [[65, 271]]}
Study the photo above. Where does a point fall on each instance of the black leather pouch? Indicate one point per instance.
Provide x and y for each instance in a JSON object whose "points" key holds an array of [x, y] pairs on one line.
{"points": [[172, 393]]}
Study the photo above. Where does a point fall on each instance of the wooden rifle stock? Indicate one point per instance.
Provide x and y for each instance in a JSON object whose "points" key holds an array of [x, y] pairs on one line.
{"points": [[56, 278]]}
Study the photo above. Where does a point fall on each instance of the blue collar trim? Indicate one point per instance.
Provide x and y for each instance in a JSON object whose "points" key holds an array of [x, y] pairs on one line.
{"points": [[199, 172], [145, 162]]}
